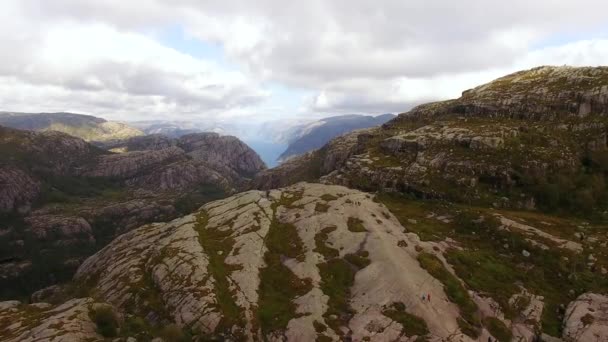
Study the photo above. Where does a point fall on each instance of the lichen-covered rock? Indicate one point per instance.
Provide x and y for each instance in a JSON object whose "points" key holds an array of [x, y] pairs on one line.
{"points": [[17, 189], [211, 270], [586, 318], [222, 150], [64, 323], [61, 231], [504, 144]]}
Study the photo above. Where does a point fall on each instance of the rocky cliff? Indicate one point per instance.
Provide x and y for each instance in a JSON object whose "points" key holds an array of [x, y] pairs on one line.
{"points": [[318, 262], [316, 134], [536, 138], [62, 198]]}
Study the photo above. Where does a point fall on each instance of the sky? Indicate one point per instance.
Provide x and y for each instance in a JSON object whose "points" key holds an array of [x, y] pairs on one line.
{"points": [[254, 61]]}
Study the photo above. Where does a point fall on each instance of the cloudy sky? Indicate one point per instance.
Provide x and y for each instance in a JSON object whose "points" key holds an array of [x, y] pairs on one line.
{"points": [[270, 59]]}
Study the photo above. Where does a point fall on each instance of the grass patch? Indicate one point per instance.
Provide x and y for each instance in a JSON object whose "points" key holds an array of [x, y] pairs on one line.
{"points": [[337, 277], [355, 225], [328, 197], [412, 324], [455, 291], [498, 329], [279, 286], [405, 210], [321, 207], [106, 321], [218, 244], [485, 271], [359, 259], [321, 243]]}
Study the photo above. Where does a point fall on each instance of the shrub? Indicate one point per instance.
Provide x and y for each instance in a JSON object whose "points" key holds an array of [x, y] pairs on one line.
{"points": [[106, 321], [172, 333]]}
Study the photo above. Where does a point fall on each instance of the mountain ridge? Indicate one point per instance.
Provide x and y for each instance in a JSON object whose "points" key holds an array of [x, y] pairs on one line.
{"points": [[314, 135], [86, 127]]}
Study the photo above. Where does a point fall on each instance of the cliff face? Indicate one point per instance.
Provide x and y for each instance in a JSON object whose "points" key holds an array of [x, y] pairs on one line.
{"points": [[512, 143], [316, 134], [67, 198]]}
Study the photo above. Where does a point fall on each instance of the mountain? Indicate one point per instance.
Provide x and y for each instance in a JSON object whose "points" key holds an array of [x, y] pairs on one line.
{"points": [[319, 262], [86, 127], [477, 218], [172, 129], [314, 135], [62, 198]]}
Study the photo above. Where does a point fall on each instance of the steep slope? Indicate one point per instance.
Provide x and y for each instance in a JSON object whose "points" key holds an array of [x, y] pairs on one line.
{"points": [[62, 198], [536, 138], [316, 134], [86, 127], [533, 140], [322, 262], [282, 263]]}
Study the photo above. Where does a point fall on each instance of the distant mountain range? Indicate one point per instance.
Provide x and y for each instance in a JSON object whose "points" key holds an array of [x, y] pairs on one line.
{"points": [[86, 127], [315, 134]]}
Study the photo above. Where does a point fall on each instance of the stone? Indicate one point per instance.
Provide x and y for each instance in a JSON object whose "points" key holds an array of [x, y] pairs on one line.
{"points": [[586, 318]]}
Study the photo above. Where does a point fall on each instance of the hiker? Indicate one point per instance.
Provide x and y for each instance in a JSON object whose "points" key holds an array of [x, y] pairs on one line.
{"points": [[423, 298], [429, 297]]}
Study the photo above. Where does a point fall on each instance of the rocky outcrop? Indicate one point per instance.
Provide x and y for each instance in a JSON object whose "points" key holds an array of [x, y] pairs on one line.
{"points": [[506, 143], [60, 231], [211, 270], [222, 151], [127, 165], [310, 166], [160, 163], [543, 93], [586, 318], [70, 321], [130, 214], [17, 190]]}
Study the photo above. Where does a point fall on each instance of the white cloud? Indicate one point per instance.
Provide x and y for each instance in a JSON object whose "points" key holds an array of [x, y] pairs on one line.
{"points": [[355, 56]]}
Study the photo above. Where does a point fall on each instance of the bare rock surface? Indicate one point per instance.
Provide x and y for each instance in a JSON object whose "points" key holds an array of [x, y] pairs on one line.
{"points": [[36, 322], [17, 189], [192, 263], [586, 318]]}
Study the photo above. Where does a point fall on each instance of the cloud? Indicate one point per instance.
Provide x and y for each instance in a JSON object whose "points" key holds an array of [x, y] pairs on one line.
{"points": [[99, 69], [354, 56]]}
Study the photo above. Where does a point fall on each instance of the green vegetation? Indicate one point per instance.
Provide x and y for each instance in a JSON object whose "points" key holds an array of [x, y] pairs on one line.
{"points": [[337, 278], [456, 293], [498, 329], [321, 243], [412, 324], [355, 225], [321, 207], [106, 321], [173, 333], [70, 189], [191, 201], [217, 245], [487, 266], [328, 197], [407, 211], [359, 259], [278, 285]]}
